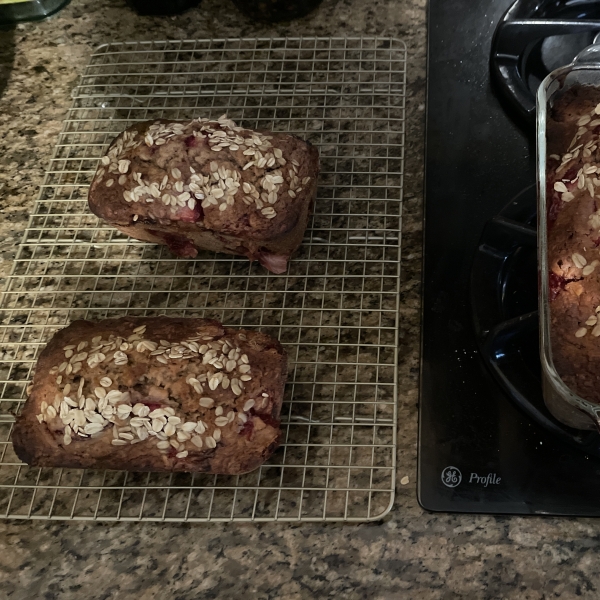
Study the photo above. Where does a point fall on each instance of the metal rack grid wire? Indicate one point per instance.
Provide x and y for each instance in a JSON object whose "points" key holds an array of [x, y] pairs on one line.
{"points": [[335, 310]]}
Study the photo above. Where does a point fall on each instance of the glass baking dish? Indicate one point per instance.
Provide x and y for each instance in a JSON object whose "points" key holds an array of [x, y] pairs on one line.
{"points": [[567, 406]]}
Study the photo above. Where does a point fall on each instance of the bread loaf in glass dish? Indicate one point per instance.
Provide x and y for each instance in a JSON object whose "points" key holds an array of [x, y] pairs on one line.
{"points": [[573, 220], [154, 394], [211, 185], [568, 166]]}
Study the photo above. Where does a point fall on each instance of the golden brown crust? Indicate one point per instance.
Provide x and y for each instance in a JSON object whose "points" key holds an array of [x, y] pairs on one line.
{"points": [[230, 429], [208, 184]]}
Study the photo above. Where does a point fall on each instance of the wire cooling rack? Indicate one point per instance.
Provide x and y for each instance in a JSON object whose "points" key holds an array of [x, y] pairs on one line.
{"points": [[335, 310]]}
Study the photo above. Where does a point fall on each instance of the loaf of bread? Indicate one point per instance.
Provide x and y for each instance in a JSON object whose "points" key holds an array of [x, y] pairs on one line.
{"points": [[573, 213], [154, 394], [209, 184]]}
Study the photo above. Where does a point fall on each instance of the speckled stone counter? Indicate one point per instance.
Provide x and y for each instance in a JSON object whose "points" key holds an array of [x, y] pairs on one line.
{"points": [[411, 554]]}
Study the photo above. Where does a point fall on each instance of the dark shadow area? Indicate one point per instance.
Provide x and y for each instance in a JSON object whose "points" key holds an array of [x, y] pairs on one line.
{"points": [[7, 55]]}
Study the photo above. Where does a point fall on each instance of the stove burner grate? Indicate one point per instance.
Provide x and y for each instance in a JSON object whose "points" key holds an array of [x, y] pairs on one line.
{"points": [[534, 38], [504, 303]]}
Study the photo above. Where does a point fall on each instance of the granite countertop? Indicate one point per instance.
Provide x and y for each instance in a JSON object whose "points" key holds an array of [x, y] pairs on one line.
{"points": [[411, 553]]}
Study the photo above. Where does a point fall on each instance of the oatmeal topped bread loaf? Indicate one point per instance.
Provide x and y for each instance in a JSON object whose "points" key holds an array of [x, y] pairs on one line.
{"points": [[154, 394], [209, 184], [573, 207]]}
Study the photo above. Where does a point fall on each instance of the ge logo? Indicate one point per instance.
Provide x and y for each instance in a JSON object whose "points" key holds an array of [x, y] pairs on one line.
{"points": [[451, 477]]}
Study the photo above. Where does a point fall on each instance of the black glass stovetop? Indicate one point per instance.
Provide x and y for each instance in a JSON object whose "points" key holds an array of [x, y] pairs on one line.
{"points": [[486, 442]]}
